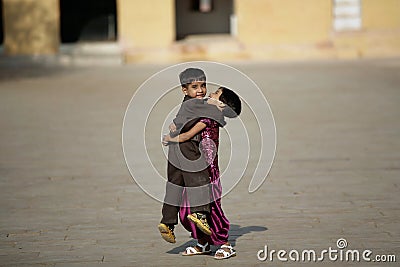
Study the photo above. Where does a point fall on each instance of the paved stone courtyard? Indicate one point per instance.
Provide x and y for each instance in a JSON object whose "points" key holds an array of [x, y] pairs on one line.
{"points": [[67, 198]]}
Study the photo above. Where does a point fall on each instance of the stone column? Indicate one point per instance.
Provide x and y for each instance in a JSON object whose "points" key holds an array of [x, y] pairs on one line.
{"points": [[31, 27]]}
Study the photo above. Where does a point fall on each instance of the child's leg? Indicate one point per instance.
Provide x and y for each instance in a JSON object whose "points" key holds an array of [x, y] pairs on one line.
{"points": [[197, 181], [198, 192], [172, 200], [173, 195]]}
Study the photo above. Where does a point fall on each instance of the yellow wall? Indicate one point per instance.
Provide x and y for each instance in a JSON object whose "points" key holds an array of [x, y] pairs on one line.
{"points": [[380, 34], [381, 14], [267, 29], [283, 21], [149, 23], [31, 26]]}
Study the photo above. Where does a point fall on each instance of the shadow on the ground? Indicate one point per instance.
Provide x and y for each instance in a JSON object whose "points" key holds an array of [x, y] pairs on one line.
{"points": [[235, 232]]}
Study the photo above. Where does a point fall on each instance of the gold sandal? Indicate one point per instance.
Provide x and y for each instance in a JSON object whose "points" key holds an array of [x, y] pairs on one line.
{"points": [[201, 222], [166, 233]]}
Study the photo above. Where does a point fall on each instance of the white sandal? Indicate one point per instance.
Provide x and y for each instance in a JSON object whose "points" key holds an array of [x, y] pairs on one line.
{"points": [[190, 251], [226, 254]]}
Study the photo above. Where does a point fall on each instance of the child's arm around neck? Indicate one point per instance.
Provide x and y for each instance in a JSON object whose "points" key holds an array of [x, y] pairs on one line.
{"points": [[183, 137]]}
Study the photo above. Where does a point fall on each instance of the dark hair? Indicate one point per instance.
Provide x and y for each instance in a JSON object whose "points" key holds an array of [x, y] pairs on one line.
{"points": [[191, 75], [232, 101]]}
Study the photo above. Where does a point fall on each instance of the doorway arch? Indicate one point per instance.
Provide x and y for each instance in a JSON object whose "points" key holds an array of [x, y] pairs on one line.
{"points": [[203, 17], [89, 20], [1, 23]]}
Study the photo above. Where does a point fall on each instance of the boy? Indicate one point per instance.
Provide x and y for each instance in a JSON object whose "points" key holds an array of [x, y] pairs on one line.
{"points": [[181, 173]]}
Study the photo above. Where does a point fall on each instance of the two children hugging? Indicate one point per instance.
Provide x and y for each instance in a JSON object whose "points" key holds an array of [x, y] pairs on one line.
{"points": [[194, 190]]}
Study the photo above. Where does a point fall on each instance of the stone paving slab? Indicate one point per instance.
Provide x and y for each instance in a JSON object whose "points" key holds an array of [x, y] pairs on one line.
{"points": [[67, 198]]}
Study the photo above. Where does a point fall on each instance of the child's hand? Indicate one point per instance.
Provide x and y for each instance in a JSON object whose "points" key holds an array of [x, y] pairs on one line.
{"points": [[166, 140], [216, 102], [172, 127]]}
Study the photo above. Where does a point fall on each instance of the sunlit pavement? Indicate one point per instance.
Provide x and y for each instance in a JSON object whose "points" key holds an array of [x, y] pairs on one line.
{"points": [[67, 198]]}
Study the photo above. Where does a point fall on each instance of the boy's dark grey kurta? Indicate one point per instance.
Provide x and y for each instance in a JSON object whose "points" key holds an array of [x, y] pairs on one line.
{"points": [[186, 167]]}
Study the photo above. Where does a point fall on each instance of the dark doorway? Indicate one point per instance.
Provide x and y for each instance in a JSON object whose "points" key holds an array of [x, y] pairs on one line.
{"points": [[1, 23], [202, 17], [88, 20]]}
